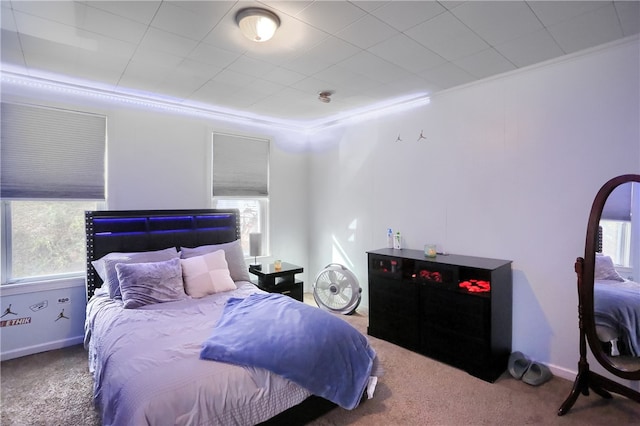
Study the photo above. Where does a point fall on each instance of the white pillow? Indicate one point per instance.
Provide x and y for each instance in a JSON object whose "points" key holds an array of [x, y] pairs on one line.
{"points": [[232, 252], [604, 269], [206, 274]]}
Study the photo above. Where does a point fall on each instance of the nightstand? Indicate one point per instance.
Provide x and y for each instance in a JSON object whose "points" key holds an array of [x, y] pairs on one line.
{"points": [[281, 281]]}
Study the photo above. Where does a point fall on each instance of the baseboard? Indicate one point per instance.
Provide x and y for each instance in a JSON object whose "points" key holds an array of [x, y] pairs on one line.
{"points": [[563, 372], [49, 346]]}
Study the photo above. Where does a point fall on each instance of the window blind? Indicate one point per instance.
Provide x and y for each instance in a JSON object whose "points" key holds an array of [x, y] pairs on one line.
{"points": [[240, 166], [618, 204], [49, 153]]}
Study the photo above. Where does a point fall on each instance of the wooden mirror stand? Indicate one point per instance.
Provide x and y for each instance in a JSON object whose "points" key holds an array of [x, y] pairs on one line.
{"points": [[585, 269]]}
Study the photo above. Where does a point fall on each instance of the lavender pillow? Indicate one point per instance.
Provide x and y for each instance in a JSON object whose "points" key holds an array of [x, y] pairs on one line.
{"points": [[106, 265], [232, 253], [149, 283]]}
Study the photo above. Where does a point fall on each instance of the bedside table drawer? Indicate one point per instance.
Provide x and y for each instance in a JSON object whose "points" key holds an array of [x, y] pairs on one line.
{"points": [[291, 290]]}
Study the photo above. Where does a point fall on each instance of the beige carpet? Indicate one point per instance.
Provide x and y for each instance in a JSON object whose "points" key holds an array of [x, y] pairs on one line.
{"points": [[54, 388]]}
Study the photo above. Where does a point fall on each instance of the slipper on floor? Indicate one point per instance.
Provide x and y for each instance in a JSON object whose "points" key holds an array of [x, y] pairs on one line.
{"points": [[536, 374], [518, 364]]}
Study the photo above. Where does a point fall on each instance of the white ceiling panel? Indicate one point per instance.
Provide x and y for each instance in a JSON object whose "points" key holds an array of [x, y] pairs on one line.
{"points": [[190, 69], [366, 52], [141, 11], [497, 22], [485, 64], [216, 92], [68, 13], [629, 15], [291, 8], [405, 15], [555, 12], [234, 78], [332, 50], [366, 32], [155, 58], [447, 75], [250, 66], [403, 50], [590, 29], [178, 20], [283, 76], [330, 16], [375, 67], [110, 25], [448, 37], [164, 41], [530, 49], [208, 54], [10, 48], [51, 31]]}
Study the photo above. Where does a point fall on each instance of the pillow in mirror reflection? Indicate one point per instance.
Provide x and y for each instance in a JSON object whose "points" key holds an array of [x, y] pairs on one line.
{"points": [[604, 269]]}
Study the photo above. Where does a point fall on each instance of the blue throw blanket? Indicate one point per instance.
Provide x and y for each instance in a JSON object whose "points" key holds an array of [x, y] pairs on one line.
{"points": [[304, 344]]}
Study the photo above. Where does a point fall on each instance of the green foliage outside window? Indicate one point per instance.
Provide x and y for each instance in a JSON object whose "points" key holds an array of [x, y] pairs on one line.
{"points": [[47, 237]]}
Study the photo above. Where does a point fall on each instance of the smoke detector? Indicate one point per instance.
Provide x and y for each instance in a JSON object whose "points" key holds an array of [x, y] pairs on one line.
{"points": [[325, 96]]}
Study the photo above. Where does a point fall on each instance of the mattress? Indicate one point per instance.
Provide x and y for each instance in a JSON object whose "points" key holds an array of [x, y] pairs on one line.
{"points": [[147, 370]]}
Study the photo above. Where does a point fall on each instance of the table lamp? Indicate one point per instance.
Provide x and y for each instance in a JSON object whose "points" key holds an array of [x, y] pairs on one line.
{"points": [[255, 249]]}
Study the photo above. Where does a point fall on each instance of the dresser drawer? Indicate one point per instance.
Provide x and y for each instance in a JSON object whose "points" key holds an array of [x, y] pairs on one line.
{"points": [[393, 297], [460, 313], [457, 349], [394, 328]]}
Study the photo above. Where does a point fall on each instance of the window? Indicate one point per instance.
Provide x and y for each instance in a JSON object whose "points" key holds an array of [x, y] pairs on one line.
{"points": [[252, 217], [47, 238], [240, 180], [616, 222], [616, 241], [52, 170]]}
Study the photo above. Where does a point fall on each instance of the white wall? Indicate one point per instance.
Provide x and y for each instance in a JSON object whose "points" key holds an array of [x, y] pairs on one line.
{"points": [[157, 160], [509, 170]]}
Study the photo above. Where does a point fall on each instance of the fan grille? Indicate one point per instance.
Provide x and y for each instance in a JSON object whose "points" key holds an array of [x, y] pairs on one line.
{"points": [[336, 289]]}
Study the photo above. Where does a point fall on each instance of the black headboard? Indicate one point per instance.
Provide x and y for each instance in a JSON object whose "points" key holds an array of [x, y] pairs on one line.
{"points": [[146, 230]]}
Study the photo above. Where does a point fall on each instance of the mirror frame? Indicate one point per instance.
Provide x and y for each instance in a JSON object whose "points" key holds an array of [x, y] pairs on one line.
{"points": [[588, 274]]}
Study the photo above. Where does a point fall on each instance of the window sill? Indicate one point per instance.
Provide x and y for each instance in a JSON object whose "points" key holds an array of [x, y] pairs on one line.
{"points": [[39, 286]]}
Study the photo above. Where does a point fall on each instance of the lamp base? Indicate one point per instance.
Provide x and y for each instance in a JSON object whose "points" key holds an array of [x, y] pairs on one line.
{"points": [[257, 266]]}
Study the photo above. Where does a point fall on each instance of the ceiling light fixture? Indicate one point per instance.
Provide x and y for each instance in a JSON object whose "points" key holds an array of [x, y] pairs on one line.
{"points": [[257, 24]]}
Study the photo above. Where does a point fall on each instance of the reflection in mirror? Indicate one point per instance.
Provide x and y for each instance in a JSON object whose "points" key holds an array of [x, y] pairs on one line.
{"points": [[617, 279]]}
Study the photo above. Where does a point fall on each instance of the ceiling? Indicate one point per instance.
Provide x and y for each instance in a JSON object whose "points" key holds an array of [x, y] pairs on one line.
{"points": [[367, 52]]}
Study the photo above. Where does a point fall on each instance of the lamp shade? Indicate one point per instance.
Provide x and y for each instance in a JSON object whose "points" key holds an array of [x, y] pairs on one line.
{"points": [[257, 24], [255, 244]]}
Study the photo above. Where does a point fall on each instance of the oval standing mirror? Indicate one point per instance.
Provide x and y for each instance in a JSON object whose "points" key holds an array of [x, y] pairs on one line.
{"points": [[609, 291], [616, 287]]}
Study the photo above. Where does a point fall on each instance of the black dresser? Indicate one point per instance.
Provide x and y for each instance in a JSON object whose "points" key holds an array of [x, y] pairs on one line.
{"points": [[453, 308]]}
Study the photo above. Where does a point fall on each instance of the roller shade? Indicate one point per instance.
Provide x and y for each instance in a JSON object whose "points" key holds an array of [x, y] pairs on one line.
{"points": [[240, 166], [618, 204], [49, 153]]}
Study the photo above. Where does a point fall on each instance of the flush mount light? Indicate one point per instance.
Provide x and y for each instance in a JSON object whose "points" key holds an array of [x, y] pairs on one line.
{"points": [[257, 24]]}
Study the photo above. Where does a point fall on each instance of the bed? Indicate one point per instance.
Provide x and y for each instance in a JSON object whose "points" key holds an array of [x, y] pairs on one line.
{"points": [[155, 354], [616, 309]]}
